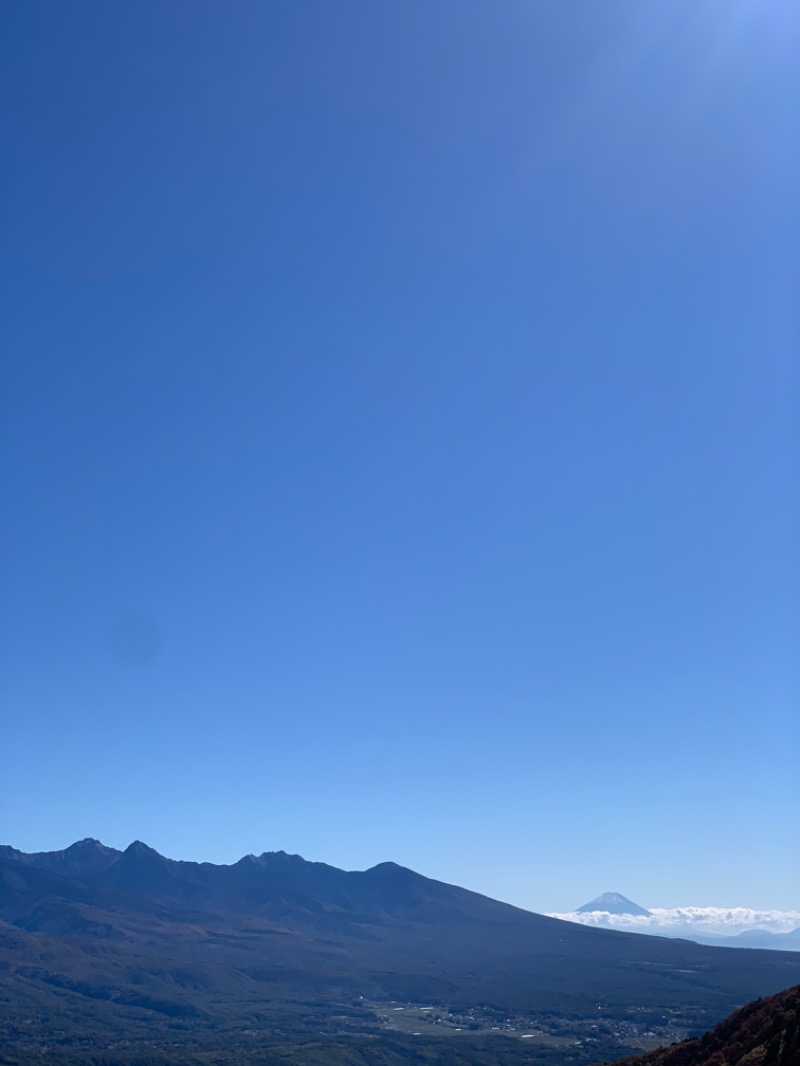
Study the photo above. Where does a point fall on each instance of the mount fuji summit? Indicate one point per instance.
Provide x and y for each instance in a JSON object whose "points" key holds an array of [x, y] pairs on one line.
{"points": [[613, 903]]}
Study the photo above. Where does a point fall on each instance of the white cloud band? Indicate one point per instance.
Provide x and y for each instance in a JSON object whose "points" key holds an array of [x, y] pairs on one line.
{"points": [[723, 921]]}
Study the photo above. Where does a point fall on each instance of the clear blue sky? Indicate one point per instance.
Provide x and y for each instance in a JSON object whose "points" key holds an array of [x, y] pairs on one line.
{"points": [[400, 438]]}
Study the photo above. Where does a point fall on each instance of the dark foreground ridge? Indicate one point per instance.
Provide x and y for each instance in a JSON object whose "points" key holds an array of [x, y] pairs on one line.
{"points": [[122, 957], [764, 1033]]}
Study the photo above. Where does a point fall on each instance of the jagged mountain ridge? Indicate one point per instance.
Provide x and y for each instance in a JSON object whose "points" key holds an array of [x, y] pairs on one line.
{"points": [[274, 883], [83, 857], [136, 936]]}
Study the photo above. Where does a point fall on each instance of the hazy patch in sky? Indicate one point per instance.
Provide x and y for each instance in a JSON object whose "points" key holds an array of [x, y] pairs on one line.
{"points": [[725, 921]]}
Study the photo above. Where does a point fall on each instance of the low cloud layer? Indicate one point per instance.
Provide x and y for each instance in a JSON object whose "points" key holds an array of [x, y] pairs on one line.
{"points": [[720, 921]]}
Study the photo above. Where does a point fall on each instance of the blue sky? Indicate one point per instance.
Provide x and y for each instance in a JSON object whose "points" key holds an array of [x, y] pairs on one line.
{"points": [[400, 442]]}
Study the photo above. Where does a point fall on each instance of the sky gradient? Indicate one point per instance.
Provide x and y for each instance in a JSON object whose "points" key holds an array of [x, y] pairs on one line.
{"points": [[400, 444]]}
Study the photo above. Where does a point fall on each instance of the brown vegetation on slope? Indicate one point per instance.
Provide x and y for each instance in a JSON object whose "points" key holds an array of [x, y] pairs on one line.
{"points": [[765, 1032]]}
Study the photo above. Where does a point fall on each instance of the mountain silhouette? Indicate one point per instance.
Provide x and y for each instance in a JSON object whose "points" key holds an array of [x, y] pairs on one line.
{"points": [[613, 903], [84, 857], [120, 945]]}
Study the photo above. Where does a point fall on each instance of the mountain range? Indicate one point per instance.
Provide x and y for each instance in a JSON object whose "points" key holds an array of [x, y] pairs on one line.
{"points": [[751, 938], [115, 949]]}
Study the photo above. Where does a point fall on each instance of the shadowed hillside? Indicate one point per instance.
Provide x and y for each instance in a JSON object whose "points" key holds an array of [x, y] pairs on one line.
{"points": [[104, 946], [764, 1033]]}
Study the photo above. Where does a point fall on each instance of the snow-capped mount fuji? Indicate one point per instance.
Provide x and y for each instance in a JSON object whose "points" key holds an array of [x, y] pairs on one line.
{"points": [[613, 903]]}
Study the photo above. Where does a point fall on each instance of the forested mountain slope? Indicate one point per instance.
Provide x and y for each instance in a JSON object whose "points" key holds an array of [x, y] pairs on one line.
{"points": [[105, 946], [763, 1033]]}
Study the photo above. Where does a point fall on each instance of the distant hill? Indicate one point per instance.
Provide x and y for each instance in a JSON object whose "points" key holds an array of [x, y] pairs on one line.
{"points": [[763, 1033], [762, 939], [758, 938], [613, 903], [104, 949]]}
